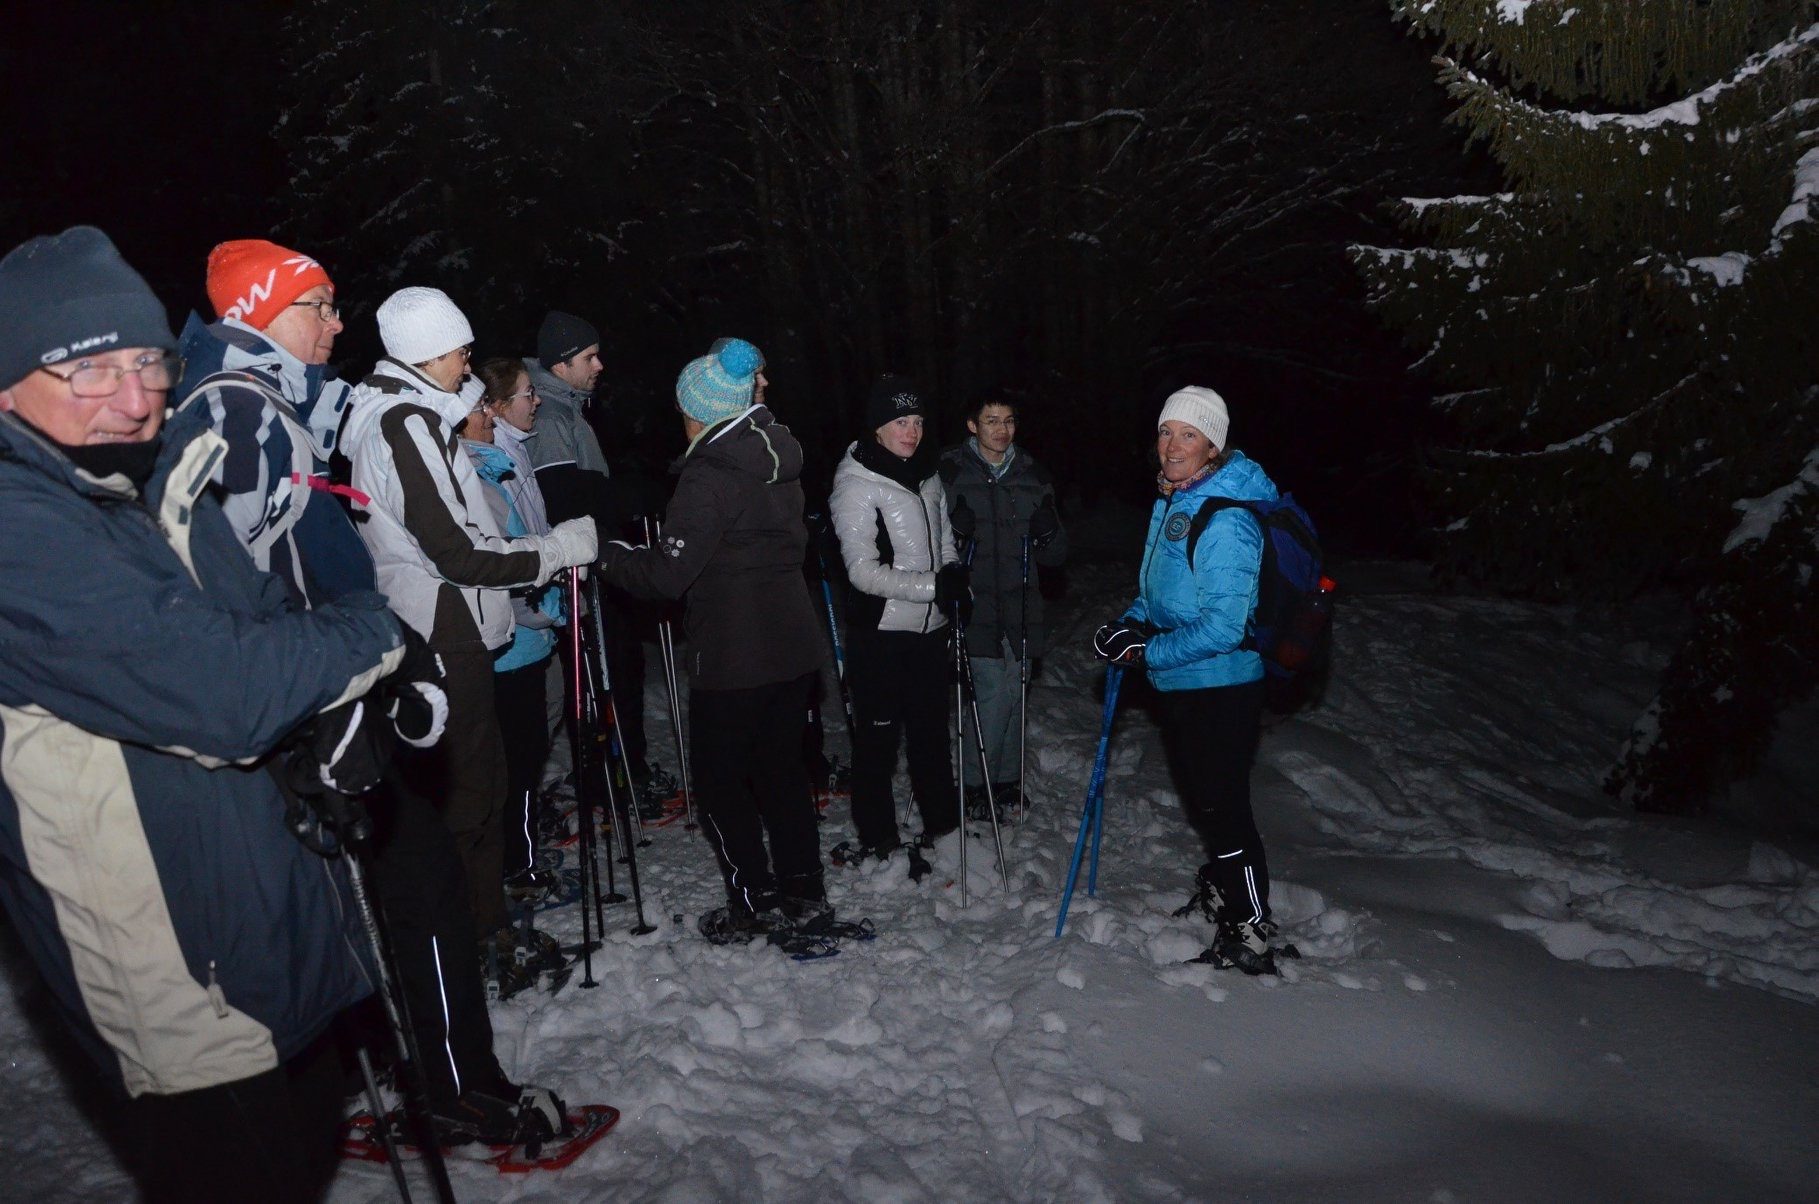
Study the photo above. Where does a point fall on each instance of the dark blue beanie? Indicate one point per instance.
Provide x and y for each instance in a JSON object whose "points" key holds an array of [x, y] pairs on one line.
{"points": [[71, 294]]}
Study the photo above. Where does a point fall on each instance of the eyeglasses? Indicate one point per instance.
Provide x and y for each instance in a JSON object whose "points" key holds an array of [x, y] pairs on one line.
{"points": [[995, 423], [158, 371], [328, 311], [466, 353], [511, 397]]}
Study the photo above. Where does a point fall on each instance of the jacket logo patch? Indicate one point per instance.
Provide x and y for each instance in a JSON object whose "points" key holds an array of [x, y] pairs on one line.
{"points": [[1176, 527]]}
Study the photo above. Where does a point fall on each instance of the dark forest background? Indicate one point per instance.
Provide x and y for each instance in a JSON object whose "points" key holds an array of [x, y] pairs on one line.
{"points": [[1080, 206]]}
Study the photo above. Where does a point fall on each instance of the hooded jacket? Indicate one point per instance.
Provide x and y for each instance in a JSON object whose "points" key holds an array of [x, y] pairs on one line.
{"points": [[1203, 612], [440, 557], [1002, 502], [894, 536], [144, 860], [734, 543], [274, 479]]}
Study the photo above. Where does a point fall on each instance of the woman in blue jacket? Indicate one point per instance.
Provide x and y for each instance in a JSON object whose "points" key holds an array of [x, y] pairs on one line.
{"points": [[1189, 628]]}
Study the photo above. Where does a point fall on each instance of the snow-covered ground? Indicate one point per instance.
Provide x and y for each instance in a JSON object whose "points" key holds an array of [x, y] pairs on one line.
{"points": [[1509, 989]]}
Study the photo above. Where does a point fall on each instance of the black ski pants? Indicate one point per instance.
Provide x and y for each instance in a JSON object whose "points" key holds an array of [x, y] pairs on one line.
{"points": [[465, 776], [421, 890], [1210, 736], [745, 757], [518, 697], [269, 1138], [899, 684]]}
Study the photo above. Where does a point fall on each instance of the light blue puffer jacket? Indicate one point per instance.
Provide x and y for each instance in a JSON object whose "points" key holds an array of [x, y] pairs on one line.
{"points": [[1203, 612], [533, 636]]}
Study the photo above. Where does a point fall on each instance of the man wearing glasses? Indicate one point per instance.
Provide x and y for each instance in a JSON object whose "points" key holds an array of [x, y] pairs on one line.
{"points": [[444, 564], [146, 666]]}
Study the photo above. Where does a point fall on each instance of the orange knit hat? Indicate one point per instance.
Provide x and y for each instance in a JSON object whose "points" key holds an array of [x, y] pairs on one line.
{"points": [[253, 280]]}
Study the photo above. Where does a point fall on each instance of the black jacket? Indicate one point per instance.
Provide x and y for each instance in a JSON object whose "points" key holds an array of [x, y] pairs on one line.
{"points": [[1001, 507], [734, 543]]}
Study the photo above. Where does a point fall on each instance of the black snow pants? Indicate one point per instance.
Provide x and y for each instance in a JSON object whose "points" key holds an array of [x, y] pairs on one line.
{"points": [[1211, 739], [518, 695], [899, 684], [748, 776], [422, 892]]}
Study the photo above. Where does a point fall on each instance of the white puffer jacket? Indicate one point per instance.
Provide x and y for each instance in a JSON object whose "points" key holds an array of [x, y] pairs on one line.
{"points": [[866, 504]]}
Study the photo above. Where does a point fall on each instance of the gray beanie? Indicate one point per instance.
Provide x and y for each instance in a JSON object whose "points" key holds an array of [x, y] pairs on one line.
{"points": [[69, 294]]}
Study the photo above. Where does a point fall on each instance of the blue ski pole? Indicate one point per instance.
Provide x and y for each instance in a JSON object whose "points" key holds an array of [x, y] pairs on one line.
{"points": [[1092, 816]]}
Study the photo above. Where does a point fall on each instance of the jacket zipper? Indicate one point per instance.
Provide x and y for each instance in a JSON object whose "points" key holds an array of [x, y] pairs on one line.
{"points": [[934, 555], [1149, 559]]}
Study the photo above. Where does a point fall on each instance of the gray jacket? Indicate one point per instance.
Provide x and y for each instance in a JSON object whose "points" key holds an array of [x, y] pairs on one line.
{"points": [[1002, 504]]}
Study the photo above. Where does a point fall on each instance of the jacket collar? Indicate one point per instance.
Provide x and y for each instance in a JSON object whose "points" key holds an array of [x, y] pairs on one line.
{"points": [[551, 387], [450, 407]]}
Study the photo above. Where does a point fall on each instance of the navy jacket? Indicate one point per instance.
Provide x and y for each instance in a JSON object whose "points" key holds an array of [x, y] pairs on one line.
{"points": [[145, 665]]}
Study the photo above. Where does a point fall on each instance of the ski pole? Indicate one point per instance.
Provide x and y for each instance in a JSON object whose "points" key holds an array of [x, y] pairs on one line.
{"points": [[622, 807], [666, 634], [965, 665], [833, 631], [1023, 677], [614, 837], [1092, 814], [354, 828], [584, 808]]}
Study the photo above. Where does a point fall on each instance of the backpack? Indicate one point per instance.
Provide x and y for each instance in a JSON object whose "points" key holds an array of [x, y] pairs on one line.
{"points": [[1291, 630]]}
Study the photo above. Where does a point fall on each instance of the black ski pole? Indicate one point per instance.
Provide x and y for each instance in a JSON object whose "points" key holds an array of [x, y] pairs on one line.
{"points": [[969, 692], [666, 635], [622, 807], [1023, 679], [584, 809], [352, 828]]}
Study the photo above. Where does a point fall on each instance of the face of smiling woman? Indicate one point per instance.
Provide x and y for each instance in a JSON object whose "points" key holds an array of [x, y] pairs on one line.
{"points": [[1183, 451], [901, 436]]}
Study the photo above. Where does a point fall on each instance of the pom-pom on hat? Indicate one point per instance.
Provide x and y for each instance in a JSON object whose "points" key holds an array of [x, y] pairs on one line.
{"points": [[418, 324], [1200, 408], [66, 295], [253, 280], [738, 357], [719, 385], [563, 337]]}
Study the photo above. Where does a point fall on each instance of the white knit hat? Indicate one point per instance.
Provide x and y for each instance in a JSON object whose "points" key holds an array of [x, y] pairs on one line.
{"points": [[1200, 408], [418, 324]]}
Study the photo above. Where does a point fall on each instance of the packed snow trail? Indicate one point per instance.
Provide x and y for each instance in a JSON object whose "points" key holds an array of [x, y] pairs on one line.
{"points": [[1457, 886]]}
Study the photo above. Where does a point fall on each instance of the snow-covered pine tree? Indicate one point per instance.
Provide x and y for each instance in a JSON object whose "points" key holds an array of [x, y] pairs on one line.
{"points": [[442, 147], [1630, 335]]}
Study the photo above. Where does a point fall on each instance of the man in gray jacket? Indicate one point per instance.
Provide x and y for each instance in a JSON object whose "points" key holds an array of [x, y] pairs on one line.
{"points": [[997, 496]]}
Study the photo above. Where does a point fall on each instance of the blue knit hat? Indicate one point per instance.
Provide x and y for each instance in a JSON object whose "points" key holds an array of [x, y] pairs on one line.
{"points": [[67, 294], [719, 384]]}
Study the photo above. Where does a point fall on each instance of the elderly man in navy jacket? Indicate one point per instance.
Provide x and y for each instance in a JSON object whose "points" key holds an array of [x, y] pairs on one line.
{"points": [[146, 669]]}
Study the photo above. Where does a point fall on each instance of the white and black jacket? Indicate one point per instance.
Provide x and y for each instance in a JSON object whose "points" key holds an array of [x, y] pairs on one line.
{"points": [[891, 518], [441, 560]]}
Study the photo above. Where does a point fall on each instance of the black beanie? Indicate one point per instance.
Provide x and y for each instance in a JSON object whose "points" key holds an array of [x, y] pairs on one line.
{"points": [[70, 294], [892, 397], [563, 337]]}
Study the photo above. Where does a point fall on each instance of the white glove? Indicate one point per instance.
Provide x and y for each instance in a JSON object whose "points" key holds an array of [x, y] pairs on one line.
{"points": [[569, 544]]}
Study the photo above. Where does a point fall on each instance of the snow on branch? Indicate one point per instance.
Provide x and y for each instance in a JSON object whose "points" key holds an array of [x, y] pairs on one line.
{"points": [[1598, 433], [1062, 127], [1760, 514]]}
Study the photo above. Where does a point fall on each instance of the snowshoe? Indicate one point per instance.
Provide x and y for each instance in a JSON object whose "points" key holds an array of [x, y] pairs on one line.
{"points": [[731, 925], [1006, 796], [815, 917], [533, 885], [1244, 945], [1205, 898], [835, 785], [849, 852], [554, 1135], [919, 868], [513, 962]]}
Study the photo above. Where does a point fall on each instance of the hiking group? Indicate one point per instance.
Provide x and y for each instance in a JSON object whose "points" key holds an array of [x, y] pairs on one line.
{"points": [[240, 592]]}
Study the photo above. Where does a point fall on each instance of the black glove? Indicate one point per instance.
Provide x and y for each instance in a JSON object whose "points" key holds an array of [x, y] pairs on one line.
{"points": [[1122, 642], [962, 519], [1044, 522], [950, 586], [349, 755]]}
